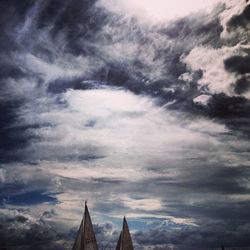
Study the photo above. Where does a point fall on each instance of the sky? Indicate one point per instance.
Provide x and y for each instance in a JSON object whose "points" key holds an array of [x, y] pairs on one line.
{"points": [[139, 107]]}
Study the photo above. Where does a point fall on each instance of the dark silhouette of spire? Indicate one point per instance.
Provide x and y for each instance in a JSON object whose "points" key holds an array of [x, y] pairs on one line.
{"points": [[85, 239], [125, 240]]}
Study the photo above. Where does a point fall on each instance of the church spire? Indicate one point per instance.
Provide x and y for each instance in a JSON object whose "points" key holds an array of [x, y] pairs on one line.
{"points": [[125, 240], [85, 239]]}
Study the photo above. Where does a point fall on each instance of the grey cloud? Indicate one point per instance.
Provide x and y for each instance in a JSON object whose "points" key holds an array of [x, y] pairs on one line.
{"points": [[20, 231], [241, 20], [106, 235], [211, 235], [229, 93], [242, 85], [238, 64]]}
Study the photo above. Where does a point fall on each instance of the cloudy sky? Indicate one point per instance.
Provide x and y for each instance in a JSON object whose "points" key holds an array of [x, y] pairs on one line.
{"points": [[139, 107]]}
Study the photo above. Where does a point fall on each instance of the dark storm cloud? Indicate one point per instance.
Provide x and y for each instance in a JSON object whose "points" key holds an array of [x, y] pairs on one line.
{"points": [[223, 106], [242, 85], [8, 140], [230, 104], [233, 111], [20, 231], [137, 74], [212, 193], [180, 37], [238, 64], [223, 180], [45, 23], [189, 237], [32, 187], [106, 235], [28, 27], [241, 20]]}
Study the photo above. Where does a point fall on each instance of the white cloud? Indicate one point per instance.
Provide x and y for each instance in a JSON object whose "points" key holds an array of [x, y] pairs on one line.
{"points": [[146, 204], [202, 99], [2, 175], [211, 62], [128, 132], [19, 88], [233, 7], [157, 10], [127, 129], [207, 126], [65, 67]]}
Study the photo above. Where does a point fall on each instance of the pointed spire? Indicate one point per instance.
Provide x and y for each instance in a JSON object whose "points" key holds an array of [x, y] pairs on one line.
{"points": [[85, 239], [118, 246], [125, 240]]}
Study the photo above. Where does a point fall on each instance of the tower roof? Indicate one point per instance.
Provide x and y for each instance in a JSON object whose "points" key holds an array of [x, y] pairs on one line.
{"points": [[85, 239], [125, 240]]}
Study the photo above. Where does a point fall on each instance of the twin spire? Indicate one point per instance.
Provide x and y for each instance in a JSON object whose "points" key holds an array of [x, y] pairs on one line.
{"points": [[125, 241], [86, 240]]}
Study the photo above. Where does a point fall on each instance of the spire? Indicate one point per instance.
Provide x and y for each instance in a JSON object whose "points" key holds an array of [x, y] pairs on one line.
{"points": [[125, 240], [118, 246], [85, 239]]}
